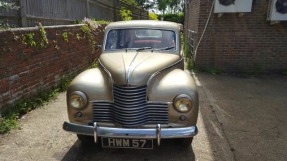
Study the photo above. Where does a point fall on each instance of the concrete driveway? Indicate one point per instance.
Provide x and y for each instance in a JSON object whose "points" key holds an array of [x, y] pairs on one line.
{"points": [[252, 113], [240, 119]]}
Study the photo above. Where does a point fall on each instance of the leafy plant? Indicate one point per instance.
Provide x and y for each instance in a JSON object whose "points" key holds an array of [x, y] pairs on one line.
{"points": [[28, 39], [78, 36], [8, 6], [91, 23], [4, 25], [43, 35], [126, 14], [8, 119], [65, 36], [187, 54], [88, 29], [178, 17], [189, 64], [7, 123], [95, 64], [187, 50], [210, 70], [152, 16], [77, 21], [102, 22], [162, 5], [22, 107], [95, 22], [169, 5]]}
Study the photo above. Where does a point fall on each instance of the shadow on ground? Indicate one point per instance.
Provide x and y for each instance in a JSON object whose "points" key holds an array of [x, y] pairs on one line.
{"points": [[170, 150]]}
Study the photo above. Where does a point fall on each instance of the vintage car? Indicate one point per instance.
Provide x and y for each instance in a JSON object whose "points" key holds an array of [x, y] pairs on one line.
{"points": [[139, 94]]}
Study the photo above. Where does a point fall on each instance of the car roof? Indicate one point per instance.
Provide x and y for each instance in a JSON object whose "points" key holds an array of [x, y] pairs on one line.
{"points": [[144, 24]]}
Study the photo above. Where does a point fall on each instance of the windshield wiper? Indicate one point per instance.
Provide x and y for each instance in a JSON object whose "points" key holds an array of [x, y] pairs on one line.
{"points": [[167, 48], [143, 48], [129, 49]]}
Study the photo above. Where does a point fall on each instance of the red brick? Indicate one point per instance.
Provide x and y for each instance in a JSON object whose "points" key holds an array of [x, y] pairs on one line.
{"points": [[36, 65], [239, 42]]}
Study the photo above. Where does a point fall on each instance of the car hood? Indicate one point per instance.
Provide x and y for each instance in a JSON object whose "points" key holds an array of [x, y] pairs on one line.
{"points": [[135, 68]]}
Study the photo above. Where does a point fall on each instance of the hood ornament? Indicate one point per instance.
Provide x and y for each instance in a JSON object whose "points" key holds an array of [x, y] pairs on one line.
{"points": [[131, 68]]}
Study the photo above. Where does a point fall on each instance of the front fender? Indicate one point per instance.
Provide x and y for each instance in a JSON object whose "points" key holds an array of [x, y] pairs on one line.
{"points": [[167, 85], [96, 84]]}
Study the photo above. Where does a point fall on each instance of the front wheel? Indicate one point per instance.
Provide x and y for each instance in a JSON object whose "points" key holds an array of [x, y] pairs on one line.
{"points": [[85, 138], [88, 142], [186, 142]]}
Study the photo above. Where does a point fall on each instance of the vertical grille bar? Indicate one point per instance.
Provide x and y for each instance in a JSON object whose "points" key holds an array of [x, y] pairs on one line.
{"points": [[130, 108]]}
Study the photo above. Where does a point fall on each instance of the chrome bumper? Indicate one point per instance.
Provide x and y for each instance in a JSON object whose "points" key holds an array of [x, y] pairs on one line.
{"points": [[157, 133]]}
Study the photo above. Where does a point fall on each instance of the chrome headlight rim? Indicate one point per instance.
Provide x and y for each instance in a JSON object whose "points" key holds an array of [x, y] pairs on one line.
{"points": [[179, 97], [83, 99]]}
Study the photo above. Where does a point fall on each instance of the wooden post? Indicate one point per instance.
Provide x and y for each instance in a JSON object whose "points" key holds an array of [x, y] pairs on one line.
{"points": [[88, 9], [23, 13], [132, 11], [115, 10]]}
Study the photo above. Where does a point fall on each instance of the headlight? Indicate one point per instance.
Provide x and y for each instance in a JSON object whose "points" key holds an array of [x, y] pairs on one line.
{"points": [[78, 100], [182, 103]]}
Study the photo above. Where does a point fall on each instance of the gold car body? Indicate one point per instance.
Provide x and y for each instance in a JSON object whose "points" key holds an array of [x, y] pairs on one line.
{"points": [[160, 73]]}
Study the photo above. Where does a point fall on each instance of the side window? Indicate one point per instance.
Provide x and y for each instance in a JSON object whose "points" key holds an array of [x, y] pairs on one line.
{"points": [[111, 42]]}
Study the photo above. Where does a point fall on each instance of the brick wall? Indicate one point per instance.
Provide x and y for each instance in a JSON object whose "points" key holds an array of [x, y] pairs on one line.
{"points": [[25, 70], [240, 44], [192, 15]]}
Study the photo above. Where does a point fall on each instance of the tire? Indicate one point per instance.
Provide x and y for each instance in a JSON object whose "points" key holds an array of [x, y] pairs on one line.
{"points": [[87, 142], [85, 138], [186, 142]]}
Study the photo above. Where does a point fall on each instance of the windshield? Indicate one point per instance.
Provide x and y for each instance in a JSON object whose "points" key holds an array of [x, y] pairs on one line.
{"points": [[155, 39]]}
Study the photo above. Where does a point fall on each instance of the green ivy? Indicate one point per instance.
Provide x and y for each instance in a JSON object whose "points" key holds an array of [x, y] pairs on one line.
{"points": [[28, 39], [4, 25], [22, 107], [102, 22], [152, 16], [65, 36], [43, 35], [8, 119], [87, 30], [7, 123], [126, 14], [8, 5], [211, 70], [178, 17], [78, 36]]}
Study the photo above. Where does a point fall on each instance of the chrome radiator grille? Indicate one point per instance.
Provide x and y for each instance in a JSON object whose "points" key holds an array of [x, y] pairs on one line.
{"points": [[130, 108]]}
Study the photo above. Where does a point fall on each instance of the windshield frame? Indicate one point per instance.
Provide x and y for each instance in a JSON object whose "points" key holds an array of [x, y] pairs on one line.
{"points": [[176, 47]]}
